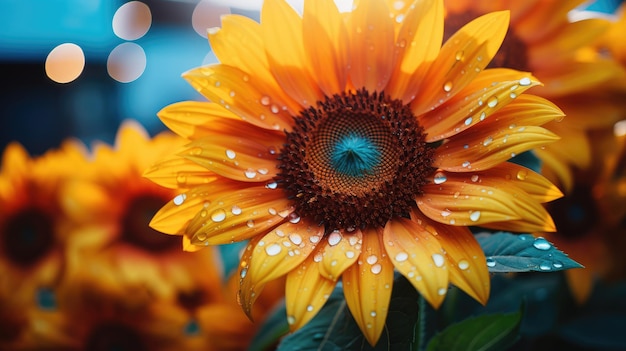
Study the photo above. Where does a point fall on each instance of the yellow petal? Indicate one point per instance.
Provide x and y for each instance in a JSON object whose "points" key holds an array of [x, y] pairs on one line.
{"points": [[574, 146], [367, 286], [281, 30], [371, 45], [236, 91], [486, 95], [418, 256], [189, 119], [239, 156], [339, 251], [555, 169], [576, 77], [326, 44], [417, 45], [236, 213], [461, 58], [465, 199], [466, 259], [176, 172], [306, 292], [273, 255], [235, 43], [487, 147]]}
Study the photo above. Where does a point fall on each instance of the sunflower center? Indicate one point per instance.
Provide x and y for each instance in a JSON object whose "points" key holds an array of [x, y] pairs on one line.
{"points": [[111, 336], [356, 160], [513, 52], [27, 236], [135, 228]]}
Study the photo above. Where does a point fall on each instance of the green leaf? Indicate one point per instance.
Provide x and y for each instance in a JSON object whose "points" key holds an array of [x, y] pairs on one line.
{"points": [[482, 333], [274, 328], [507, 252]]}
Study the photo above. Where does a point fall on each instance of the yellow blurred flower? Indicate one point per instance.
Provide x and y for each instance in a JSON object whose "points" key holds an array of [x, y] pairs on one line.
{"points": [[542, 39], [344, 145], [34, 229]]}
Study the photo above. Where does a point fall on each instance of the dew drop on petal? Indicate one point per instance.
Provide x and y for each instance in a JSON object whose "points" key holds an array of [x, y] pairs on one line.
{"points": [[218, 215], [373, 313], [524, 81], [474, 216], [334, 238], [250, 223], [468, 121], [250, 173], [442, 291], [492, 102], [179, 199], [491, 262], [271, 185], [463, 265], [459, 55], [314, 239], [465, 164], [376, 269], [273, 249], [295, 238], [350, 254], [474, 178], [438, 259], [447, 86], [372, 259], [542, 244], [243, 273], [291, 320], [440, 178], [236, 210], [487, 141], [402, 256], [265, 100], [521, 175]]}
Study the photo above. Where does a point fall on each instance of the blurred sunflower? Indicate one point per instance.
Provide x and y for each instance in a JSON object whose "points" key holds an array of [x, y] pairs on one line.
{"points": [[114, 205], [542, 39], [591, 221], [347, 145], [34, 229]]}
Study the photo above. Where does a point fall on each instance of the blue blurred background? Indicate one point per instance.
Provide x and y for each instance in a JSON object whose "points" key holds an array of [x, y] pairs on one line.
{"points": [[39, 112]]}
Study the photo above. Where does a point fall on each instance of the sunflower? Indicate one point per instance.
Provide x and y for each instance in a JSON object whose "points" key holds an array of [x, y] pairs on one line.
{"points": [[114, 204], [591, 219], [544, 40], [344, 145]]}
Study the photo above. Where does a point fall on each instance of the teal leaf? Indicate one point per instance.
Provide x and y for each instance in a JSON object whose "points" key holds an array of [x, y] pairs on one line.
{"points": [[506, 252], [272, 329], [482, 333]]}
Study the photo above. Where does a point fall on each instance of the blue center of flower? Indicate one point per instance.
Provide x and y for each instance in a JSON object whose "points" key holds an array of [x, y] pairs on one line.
{"points": [[355, 155]]}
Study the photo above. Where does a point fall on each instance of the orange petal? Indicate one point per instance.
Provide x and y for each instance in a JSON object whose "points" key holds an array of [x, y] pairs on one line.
{"points": [[281, 30], [306, 292], [544, 19], [326, 44], [176, 172], [238, 92], [174, 216], [419, 257], [574, 146], [339, 251], [236, 153], [189, 119], [466, 259], [238, 214], [465, 199], [367, 286], [461, 58], [273, 255], [235, 43], [576, 77], [417, 46], [555, 169], [487, 94], [481, 149], [371, 45]]}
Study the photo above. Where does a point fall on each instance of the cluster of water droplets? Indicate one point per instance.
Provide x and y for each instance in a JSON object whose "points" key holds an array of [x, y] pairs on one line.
{"points": [[540, 244]]}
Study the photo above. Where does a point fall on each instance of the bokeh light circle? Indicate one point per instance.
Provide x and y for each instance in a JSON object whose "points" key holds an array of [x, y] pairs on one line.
{"points": [[619, 129], [132, 20], [126, 62], [207, 15], [65, 63]]}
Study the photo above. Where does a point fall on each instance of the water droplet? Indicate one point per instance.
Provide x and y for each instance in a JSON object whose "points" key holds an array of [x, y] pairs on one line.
{"points": [[399, 18], [232, 93], [447, 86], [273, 249], [350, 254], [201, 236], [250, 223], [465, 164], [524, 81], [463, 265], [468, 121], [318, 257], [179, 199], [314, 239], [491, 262], [521, 175], [459, 55], [442, 291], [474, 216], [309, 308], [295, 238], [542, 244], [243, 273], [438, 259], [263, 171], [440, 178], [402, 256], [294, 218], [236, 210], [291, 320], [218, 83], [265, 100], [445, 213], [512, 95], [372, 259], [376, 269], [487, 141], [544, 266], [218, 215], [334, 238], [557, 264], [492, 102], [181, 179], [373, 313], [474, 178], [274, 109], [271, 185], [250, 173], [482, 116], [272, 211]]}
